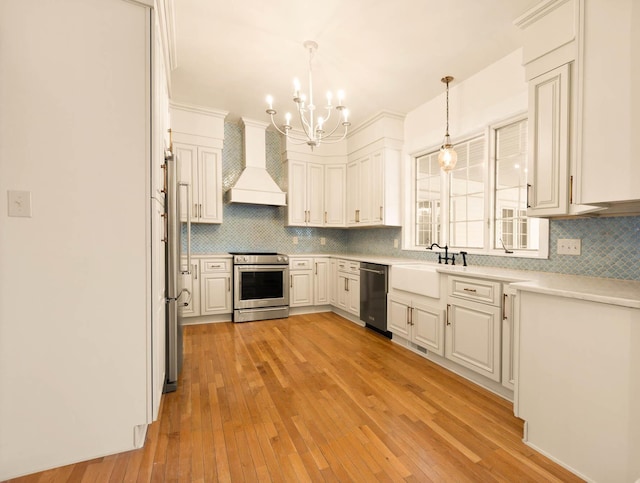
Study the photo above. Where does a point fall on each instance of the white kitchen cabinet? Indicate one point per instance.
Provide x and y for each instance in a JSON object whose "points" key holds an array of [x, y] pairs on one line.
{"points": [[348, 286], [418, 320], [578, 58], [215, 286], [189, 299], [201, 168], [306, 193], [373, 189], [333, 282], [549, 155], [321, 272], [300, 282], [509, 349], [335, 178], [473, 325], [578, 384]]}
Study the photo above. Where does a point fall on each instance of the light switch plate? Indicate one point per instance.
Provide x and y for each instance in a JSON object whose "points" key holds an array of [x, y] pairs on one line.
{"points": [[295, 240], [19, 203]]}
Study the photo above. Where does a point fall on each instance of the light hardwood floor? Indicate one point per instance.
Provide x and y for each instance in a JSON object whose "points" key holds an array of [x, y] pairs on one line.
{"points": [[318, 398]]}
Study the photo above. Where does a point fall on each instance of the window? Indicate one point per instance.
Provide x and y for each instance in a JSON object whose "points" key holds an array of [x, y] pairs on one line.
{"points": [[480, 206], [428, 194], [467, 193]]}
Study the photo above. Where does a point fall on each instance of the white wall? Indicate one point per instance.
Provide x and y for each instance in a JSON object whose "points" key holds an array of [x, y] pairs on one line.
{"points": [[491, 95], [73, 287]]}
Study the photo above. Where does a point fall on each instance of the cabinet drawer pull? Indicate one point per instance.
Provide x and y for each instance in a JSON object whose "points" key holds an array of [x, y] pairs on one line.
{"points": [[228, 284], [448, 322], [291, 281], [472, 290], [325, 217], [381, 213], [528, 204], [316, 268]]}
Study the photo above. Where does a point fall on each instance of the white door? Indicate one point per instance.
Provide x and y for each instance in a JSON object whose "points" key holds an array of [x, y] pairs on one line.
{"points": [[210, 185], [473, 337], [297, 196], [215, 294], [187, 156], [334, 194], [315, 194], [353, 187], [398, 315], [428, 327], [301, 289], [320, 283]]}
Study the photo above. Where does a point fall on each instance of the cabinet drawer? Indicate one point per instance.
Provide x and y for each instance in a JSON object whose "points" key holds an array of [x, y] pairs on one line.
{"points": [[300, 263], [475, 289], [349, 266], [215, 265]]}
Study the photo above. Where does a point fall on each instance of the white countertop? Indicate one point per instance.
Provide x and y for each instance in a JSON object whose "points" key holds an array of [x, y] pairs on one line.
{"points": [[604, 290]]}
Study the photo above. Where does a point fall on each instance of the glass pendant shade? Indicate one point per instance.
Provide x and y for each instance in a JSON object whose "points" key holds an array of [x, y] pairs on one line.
{"points": [[447, 157]]}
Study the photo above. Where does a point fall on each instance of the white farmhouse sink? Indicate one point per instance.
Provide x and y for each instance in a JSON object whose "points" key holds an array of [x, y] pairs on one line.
{"points": [[418, 278]]}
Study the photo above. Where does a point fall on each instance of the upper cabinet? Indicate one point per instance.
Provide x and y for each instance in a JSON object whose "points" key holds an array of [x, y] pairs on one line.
{"points": [[352, 184], [306, 193], [583, 106], [198, 136], [373, 172], [373, 189]]}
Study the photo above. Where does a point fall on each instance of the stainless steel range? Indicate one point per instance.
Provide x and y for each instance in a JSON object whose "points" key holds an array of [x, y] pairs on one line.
{"points": [[260, 286]]}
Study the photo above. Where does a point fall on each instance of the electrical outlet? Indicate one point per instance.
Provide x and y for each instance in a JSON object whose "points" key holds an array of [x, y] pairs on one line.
{"points": [[569, 246], [323, 240], [395, 243], [295, 240]]}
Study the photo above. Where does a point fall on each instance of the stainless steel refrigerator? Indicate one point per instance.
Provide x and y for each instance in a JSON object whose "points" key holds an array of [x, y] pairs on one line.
{"points": [[173, 273]]}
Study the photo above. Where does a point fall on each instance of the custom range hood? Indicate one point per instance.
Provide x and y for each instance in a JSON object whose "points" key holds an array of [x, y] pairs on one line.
{"points": [[255, 185]]}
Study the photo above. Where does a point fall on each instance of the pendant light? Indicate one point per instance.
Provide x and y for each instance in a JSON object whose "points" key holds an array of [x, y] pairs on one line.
{"points": [[447, 157]]}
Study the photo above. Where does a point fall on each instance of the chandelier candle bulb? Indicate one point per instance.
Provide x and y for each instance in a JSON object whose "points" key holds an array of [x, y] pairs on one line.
{"points": [[311, 130]]}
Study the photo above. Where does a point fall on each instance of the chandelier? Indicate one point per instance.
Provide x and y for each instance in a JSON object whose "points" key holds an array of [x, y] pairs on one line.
{"points": [[447, 157], [314, 127]]}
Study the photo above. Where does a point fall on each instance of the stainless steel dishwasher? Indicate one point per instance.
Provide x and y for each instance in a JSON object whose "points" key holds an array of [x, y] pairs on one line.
{"points": [[373, 296]]}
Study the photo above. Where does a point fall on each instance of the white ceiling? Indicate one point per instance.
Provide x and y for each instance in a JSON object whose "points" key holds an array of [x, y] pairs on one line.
{"points": [[385, 55]]}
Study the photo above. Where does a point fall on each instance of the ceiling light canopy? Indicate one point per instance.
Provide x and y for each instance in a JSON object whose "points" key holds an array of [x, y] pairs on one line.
{"points": [[447, 158], [313, 127]]}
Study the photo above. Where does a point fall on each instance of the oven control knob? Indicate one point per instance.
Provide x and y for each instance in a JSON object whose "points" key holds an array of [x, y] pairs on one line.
{"points": [[245, 259], [282, 259]]}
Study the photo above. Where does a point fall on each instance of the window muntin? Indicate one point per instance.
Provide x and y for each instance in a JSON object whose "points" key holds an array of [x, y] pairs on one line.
{"points": [[467, 193], [428, 194], [512, 227], [482, 201]]}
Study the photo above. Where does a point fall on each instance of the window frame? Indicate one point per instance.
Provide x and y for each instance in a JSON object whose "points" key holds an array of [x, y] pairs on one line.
{"points": [[409, 228]]}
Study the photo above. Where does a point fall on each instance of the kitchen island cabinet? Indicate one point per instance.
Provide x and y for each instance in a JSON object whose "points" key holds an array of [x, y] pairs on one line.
{"points": [[578, 382]]}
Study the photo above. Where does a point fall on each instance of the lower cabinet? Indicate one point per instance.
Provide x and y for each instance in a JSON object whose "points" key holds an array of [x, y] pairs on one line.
{"points": [[348, 287], [207, 288], [300, 282], [418, 320], [473, 325], [215, 287], [321, 271], [189, 299], [509, 350]]}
